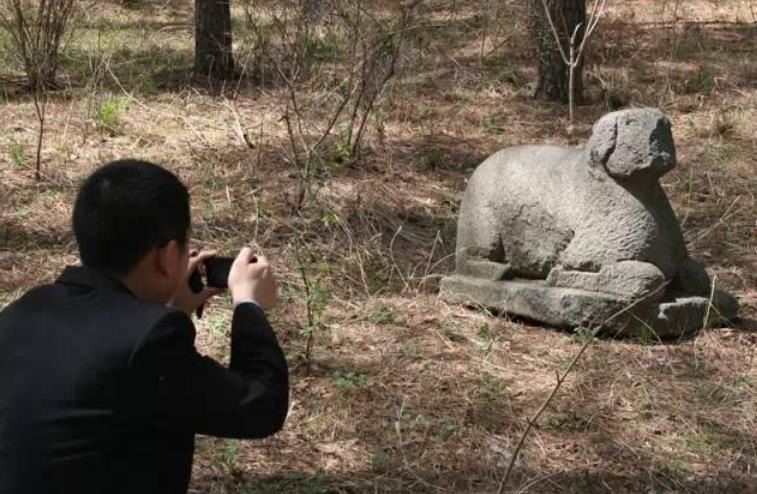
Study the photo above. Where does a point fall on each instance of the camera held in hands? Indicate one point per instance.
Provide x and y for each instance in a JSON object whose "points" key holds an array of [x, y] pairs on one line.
{"points": [[216, 273], [216, 276]]}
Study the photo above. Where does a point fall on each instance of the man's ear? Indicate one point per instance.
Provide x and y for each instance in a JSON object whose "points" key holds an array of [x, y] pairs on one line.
{"points": [[165, 257]]}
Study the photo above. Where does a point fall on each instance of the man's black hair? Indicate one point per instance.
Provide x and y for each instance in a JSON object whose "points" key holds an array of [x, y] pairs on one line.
{"points": [[124, 209]]}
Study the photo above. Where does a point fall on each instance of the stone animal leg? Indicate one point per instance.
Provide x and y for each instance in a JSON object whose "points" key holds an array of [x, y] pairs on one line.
{"points": [[691, 277], [533, 239], [488, 270], [480, 253]]}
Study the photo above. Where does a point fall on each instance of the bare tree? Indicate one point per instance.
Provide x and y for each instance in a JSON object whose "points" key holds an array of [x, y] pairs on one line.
{"points": [[561, 31], [34, 34], [355, 56]]}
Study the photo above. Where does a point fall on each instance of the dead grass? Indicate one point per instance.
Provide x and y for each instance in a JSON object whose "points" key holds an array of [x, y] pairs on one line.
{"points": [[406, 393]]}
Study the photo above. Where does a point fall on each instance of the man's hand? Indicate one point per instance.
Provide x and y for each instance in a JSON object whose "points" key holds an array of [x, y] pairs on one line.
{"points": [[251, 279], [184, 299]]}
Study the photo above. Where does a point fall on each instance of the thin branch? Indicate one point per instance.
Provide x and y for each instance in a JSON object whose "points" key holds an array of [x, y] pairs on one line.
{"points": [[554, 32], [573, 61], [596, 14], [561, 379]]}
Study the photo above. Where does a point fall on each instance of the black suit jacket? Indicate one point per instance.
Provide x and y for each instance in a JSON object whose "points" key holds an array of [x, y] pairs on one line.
{"points": [[101, 392]]}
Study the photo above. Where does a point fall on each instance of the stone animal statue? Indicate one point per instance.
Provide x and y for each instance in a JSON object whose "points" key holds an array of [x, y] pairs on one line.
{"points": [[594, 220]]}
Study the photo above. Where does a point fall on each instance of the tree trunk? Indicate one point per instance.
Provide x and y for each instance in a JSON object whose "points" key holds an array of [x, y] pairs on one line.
{"points": [[553, 72], [213, 55]]}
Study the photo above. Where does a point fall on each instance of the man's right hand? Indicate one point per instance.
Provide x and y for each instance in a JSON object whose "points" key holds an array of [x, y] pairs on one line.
{"points": [[251, 279]]}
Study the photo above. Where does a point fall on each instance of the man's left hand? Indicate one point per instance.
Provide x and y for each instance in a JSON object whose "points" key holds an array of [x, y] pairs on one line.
{"points": [[184, 299]]}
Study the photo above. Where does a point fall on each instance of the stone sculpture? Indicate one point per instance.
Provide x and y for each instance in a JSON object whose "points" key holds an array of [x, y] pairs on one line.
{"points": [[572, 237]]}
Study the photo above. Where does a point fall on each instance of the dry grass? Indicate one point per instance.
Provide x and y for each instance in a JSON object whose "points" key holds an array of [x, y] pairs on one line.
{"points": [[406, 393]]}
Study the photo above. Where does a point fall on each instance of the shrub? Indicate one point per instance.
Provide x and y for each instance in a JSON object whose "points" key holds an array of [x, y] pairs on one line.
{"points": [[34, 32]]}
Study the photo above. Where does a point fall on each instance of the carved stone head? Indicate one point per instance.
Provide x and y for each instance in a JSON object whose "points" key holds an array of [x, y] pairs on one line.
{"points": [[633, 143]]}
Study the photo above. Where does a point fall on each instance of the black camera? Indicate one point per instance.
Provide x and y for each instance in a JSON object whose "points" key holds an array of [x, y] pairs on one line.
{"points": [[216, 275]]}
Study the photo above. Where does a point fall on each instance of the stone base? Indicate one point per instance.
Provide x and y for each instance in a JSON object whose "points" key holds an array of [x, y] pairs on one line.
{"points": [[673, 315]]}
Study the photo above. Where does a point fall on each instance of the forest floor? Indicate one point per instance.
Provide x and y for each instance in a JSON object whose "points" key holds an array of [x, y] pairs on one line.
{"points": [[405, 393]]}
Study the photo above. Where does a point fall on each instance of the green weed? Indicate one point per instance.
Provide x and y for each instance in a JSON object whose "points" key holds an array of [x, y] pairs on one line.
{"points": [[230, 452], [491, 386], [448, 430], [485, 332], [704, 81], [711, 392], [567, 422], [582, 334], [110, 113], [384, 315], [382, 462], [17, 152], [316, 300], [348, 379]]}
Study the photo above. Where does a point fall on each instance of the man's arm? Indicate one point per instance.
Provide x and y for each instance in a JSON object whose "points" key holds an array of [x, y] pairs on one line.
{"points": [[172, 386]]}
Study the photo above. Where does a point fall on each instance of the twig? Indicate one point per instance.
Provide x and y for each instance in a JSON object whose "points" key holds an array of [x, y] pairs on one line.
{"points": [[394, 261], [574, 59], [40, 107], [561, 379], [240, 128], [309, 308]]}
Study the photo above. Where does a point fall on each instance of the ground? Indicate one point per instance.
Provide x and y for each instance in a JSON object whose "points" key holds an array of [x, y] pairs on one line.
{"points": [[401, 392]]}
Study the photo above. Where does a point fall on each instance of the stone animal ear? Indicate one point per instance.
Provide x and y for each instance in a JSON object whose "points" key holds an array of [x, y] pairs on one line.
{"points": [[603, 140]]}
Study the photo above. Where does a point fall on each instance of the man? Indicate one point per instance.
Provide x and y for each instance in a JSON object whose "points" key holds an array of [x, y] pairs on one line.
{"points": [[101, 387]]}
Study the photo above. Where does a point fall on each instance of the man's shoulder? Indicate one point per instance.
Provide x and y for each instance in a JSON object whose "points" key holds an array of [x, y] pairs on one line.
{"points": [[138, 317], [120, 314]]}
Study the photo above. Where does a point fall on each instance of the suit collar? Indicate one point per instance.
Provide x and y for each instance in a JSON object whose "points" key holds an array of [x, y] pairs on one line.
{"points": [[82, 276]]}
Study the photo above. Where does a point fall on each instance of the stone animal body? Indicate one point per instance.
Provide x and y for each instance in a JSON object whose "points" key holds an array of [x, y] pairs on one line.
{"points": [[594, 218]]}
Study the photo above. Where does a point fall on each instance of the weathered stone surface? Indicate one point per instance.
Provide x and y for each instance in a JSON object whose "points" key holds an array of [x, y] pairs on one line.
{"points": [[692, 277], [566, 236], [627, 279], [676, 315], [633, 143]]}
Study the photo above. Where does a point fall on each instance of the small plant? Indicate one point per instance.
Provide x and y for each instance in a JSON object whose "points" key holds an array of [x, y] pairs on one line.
{"points": [[428, 366], [724, 123], [18, 154], [742, 381], [295, 482], [34, 32], [582, 334], [378, 281], [384, 315], [491, 386], [646, 335], [448, 430], [348, 379], [316, 300], [568, 421], [411, 350], [710, 392], [330, 219], [230, 452], [382, 462], [425, 111], [727, 152], [351, 67], [485, 332], [704, 81], [452, 334], [109, 113], [217, 324], [323, 49]]}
